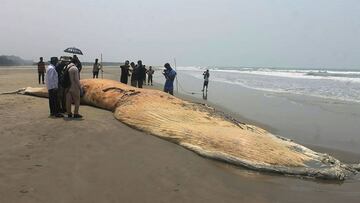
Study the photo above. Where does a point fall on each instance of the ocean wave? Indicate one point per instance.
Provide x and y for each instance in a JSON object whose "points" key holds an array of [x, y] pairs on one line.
{"points": [[325, 94], [313, 74], [342, 90], [335, 74]]}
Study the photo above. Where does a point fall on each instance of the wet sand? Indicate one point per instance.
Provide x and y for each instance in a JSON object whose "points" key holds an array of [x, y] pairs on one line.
{"points": [[98, 159], [307, 120]]}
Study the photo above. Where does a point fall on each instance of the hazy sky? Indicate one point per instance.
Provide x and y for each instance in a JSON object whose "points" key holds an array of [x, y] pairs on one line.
{"points": [[296, 33]]}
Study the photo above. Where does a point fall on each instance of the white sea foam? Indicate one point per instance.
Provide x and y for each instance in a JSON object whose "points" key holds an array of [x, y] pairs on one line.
{"points": [[338, 85], [350, 76]]}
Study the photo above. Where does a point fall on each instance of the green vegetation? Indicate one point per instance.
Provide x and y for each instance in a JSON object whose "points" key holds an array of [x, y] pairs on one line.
{"points": [[13, 61], [17, 61]]}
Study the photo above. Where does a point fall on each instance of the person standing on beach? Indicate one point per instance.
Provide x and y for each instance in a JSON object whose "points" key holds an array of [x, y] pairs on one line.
{"points": [[206, 75], [73, 93], [61, 99], [125, 72], [52, 82], [170, 75], [133, 74], [41, 70], [96, 68], [141, 73], [150, 74], [145, 75]]}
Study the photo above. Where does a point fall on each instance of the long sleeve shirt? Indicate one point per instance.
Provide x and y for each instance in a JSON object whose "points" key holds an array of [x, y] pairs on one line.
{"points": [[74, 78], [170, 77], [206, 76], [41, 67], [51, 78], [96, 67], [141, 72]]}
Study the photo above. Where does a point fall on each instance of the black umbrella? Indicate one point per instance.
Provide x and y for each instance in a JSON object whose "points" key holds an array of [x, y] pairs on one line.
{"points": [[73, 50]]}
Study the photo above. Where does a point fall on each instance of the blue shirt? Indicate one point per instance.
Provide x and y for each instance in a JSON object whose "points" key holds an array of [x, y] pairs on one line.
{"points": [[170, 77]]}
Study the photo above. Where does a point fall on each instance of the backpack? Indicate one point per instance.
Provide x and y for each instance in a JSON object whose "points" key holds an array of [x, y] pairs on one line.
{"points": [[65, 78]]}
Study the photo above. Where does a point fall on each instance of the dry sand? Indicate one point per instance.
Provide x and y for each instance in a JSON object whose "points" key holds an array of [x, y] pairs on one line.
{"points": [[98, 159]]}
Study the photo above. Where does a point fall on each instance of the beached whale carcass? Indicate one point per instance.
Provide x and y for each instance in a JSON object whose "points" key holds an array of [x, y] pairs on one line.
{"points": [[207, 132]]}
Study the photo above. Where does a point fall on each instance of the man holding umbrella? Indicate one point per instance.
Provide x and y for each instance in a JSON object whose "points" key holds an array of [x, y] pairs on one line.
{"points": [[73, 50], [77, 63]]}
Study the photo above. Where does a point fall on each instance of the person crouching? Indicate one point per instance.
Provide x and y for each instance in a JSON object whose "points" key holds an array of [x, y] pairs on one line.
{"points": [[52, 86], [73, 92]]}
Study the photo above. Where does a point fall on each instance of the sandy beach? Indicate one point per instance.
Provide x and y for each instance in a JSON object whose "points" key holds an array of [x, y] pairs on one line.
{"points": [[99, 159]]}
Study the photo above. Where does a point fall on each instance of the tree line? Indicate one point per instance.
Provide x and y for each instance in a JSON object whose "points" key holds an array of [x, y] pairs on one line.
{"points": [[14, 61]]}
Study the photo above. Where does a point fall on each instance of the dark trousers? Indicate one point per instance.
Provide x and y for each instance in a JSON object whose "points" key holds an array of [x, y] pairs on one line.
{"points": [[53, 102], [96, 74], [61, 100], [150, 79], [41, 76], [140, 83], [170, 91], [134, 83], [206, 84], [124, 79]]}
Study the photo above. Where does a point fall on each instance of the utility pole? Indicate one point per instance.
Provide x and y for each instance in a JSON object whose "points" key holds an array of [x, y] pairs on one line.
{"points": [[102, 67], [177, 88]]}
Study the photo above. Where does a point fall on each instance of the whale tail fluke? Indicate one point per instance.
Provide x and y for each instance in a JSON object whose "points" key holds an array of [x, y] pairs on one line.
{"points": [[19, 91]]}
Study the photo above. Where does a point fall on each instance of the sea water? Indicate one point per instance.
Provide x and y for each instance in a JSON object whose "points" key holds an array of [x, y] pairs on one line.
{"points": [[341, 85]]}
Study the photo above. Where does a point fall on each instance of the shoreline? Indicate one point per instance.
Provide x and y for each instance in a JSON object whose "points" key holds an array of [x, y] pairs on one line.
{"points": [[346, 156], [218, 107], [304, 119], [99, 159]]}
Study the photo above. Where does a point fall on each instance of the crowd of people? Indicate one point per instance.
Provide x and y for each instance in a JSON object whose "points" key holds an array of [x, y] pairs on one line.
{"points": [[137, 74], [62, 80], [63, 83]]}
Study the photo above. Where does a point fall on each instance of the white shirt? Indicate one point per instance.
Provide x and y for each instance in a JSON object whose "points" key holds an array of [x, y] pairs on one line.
{"points": [[51, 78]]}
